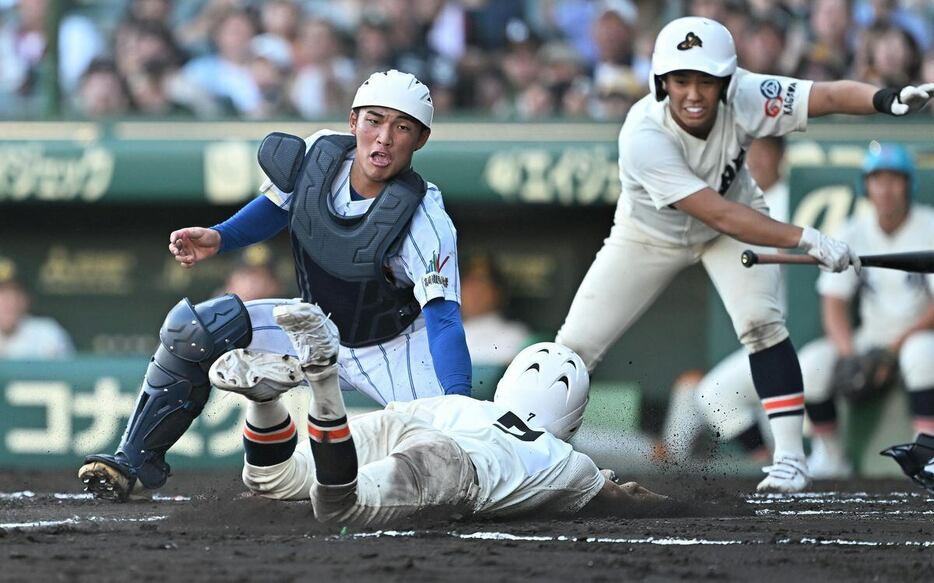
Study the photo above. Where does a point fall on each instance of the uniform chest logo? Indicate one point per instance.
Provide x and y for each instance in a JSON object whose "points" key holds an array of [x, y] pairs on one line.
{"points": [[690, 41]]}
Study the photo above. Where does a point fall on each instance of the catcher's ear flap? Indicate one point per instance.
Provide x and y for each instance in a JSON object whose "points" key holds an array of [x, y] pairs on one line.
{"points": [[280, 156]]}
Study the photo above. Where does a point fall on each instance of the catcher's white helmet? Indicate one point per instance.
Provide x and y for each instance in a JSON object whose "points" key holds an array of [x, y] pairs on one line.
{"points": [[548, 387], [397, 90], [693, 44]]}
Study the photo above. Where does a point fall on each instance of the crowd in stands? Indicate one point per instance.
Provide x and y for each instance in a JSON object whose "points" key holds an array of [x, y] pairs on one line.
{"points": [[510, 59]]}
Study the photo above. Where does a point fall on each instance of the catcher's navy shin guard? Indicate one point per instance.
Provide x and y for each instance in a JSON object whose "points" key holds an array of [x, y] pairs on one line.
{"points": [[176, 386], [913, 457]]}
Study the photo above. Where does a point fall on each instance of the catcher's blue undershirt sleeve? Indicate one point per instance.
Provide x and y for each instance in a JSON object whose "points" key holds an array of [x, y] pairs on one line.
{"points": [[448, 346], [257, 221]]}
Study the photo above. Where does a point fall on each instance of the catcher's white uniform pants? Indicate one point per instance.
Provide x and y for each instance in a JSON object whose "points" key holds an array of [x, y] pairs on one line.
{"points": [[400, 369], [818, 358], [405, 467], [633, 268]]}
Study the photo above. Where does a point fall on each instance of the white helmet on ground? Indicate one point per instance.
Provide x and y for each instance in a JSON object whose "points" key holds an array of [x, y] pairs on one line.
{"points": [[548, 387], [693, 44], [397, 90]]}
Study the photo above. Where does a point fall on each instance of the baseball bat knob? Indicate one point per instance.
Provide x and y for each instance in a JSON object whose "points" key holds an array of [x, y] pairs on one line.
{"points": [[749, 258]]}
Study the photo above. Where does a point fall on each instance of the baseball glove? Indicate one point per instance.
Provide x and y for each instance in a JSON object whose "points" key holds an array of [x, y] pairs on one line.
{"points": [[867, 376]]}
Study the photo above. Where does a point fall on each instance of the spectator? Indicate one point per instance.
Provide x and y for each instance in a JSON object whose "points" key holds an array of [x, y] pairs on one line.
{"points": [[614, 38], [828, 55], [24, 336], [269, 65], [616, 91], [888, 57], [761, 50], [373, 51], [324, 77], [281, 19], [23, 46], [868, 14], [491, 338], [102, 92], [226, 74]]}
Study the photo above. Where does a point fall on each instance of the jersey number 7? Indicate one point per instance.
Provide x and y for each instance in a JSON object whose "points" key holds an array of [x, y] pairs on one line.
{"points": [[511, 421]]}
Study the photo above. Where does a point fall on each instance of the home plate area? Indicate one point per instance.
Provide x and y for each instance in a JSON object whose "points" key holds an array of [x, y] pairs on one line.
{"points": [[202, 526]]}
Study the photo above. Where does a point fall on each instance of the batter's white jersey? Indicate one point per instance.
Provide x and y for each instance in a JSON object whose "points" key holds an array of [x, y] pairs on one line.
{"points": [[519, 469], [400, 368], [660, 163], [890, 300]]}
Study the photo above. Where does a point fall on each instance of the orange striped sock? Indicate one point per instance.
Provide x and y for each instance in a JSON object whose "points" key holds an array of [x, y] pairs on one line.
{"points": [[268, 446]]}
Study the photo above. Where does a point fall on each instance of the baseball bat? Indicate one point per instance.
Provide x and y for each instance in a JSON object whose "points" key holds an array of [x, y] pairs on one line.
{"points": [[913, 261]]}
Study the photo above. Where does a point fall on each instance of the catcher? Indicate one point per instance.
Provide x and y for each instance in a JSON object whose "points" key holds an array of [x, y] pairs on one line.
{"points": [[439, 457], [895, 340]]}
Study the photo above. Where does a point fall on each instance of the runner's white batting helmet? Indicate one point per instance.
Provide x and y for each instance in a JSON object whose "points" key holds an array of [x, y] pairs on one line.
{"points": [[693, 44], [397, 90], [548, 387]]}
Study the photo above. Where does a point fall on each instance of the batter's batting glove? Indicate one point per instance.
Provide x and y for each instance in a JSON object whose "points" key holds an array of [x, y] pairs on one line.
{"points": [[901, 101], [916, 460], [832, 254]]}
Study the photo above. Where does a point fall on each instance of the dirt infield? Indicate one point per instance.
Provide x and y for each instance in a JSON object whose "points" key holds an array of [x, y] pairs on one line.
{"points": [[203, 527]]}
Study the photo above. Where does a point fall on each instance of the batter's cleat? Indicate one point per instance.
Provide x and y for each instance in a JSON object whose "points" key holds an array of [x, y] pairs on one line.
{"points": [[314, 336], [258, 376], [109, 482], [787, 475]]}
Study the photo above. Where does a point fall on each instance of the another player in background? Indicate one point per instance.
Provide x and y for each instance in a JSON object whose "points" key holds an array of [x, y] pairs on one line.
{"points": [[383, 267], [688, 198], [23, 335], [436, 457], [896, 309], [725, 398], [493, 339]]}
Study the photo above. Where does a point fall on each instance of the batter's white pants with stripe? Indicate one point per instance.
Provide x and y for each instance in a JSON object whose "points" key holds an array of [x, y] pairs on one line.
{"points": [[633, 268], [400, 369]]}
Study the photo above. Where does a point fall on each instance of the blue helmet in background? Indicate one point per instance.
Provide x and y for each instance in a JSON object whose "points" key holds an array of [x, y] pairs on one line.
{"points": [[892, 157]]}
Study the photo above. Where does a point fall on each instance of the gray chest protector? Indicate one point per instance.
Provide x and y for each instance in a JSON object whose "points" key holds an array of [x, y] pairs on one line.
{"points": [[340, 262]]}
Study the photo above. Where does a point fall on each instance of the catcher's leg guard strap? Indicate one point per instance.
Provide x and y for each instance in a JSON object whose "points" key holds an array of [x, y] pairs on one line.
{"points": [[176, 385]]}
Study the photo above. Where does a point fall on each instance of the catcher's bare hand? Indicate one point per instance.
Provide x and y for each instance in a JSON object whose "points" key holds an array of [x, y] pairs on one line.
{"points": [[193, 244]]}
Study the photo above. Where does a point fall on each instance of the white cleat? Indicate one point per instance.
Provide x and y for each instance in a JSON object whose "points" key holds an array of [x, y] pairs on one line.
{"points": [[259, 376], [787, 474], [314, 336]]}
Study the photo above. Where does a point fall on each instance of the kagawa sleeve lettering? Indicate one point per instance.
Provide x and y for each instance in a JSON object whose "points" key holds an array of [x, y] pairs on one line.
{"points": [[655, 160], [769, 105]]}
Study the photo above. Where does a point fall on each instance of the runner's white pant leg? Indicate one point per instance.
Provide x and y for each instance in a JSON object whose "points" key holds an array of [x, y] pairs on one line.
{"points": [[629, 272], [750, 296], [289, 480], [727, 397], [426, 474]]}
